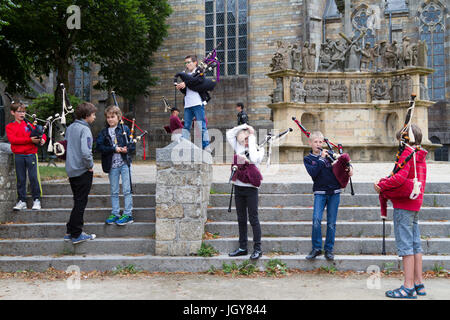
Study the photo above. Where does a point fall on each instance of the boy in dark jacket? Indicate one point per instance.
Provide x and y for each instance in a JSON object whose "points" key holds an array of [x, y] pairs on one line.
{"points": [[326, 193], [24, 147], [116, 161]]}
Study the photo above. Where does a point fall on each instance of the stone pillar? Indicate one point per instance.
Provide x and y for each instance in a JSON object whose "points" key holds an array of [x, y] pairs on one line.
{"points": [[8, 189], [183, 181]]}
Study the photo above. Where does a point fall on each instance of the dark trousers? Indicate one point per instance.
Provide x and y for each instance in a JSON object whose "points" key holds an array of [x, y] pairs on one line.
{"points": [[246, 199], [27, 163], [81, 186]]}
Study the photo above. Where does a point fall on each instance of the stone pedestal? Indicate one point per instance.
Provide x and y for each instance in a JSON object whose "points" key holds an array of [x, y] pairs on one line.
{"points": [[8, 189], [183, 181]]}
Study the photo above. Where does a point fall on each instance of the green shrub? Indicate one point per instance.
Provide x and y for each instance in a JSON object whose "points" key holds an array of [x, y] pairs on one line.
{"points": [[275, 267], [206, 250]]}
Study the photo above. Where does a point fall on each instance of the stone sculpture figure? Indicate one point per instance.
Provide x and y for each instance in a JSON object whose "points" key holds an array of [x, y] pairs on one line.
{"points": [[278, 91], [352, 91], [297, 91], [395, 89], [422, 54], [338, 56], [391, 55], [407, 52], [277, 62], [382, 65], [379, 90], [423, 89], [344, 92], [353, 55], [308, 57], [366, 57], [363, 91], [325, 58], [296, 57]]}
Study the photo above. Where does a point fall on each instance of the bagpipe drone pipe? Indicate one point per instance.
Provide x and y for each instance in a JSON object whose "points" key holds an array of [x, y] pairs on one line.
{"points": [[59, 148], [340, 161]]}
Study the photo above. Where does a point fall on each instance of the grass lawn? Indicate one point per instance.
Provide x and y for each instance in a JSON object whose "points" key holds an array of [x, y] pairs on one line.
{"points": [[52, 173]]}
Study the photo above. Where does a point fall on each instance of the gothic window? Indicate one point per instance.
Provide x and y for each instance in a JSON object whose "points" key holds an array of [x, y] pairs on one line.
{"points": [[432, 28], [363, 20], [2, 118], [82, 81], [226, 23]]}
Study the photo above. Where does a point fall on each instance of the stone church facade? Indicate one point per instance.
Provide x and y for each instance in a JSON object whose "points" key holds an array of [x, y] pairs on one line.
{"points": [[250, 30]]}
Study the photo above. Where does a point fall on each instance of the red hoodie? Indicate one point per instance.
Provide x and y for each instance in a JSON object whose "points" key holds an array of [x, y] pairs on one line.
{"points": [[19, 136], [398, 187]]}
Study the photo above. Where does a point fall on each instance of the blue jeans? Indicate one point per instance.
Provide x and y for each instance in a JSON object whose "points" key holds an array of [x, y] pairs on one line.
{"points": [[114, 177], [407, 233], [199, 113], [332, 204]]}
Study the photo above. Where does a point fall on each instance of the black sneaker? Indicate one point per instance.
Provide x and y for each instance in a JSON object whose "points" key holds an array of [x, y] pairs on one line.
{"points": [[256, 255], [238, 252], [329, 255], [313, 254]]}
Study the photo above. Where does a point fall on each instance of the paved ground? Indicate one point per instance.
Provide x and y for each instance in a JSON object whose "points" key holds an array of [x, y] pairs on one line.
{"points": [[364, 172], [206, 287]]}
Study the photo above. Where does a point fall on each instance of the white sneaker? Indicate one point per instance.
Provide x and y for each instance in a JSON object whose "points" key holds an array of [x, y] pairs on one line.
{"points": [[20, 206], [36, 205]]}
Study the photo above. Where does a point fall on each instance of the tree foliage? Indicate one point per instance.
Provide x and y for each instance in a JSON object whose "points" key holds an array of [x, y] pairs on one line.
{"points": [[118, 35]]}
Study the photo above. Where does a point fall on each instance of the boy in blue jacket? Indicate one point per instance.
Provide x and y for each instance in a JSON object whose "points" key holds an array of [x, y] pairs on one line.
{"points": [[116, 161], [327, 191]]}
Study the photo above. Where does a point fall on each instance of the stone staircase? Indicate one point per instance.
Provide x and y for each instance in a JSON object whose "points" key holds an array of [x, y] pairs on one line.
{"points": [[32, 240]]}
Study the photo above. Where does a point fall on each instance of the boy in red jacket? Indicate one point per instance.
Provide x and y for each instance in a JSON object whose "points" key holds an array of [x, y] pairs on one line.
{"points": [[25, 150], [399, 189]]}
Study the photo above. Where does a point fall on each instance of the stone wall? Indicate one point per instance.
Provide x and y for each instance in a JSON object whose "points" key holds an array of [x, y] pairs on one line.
{"points": [[7, 180], [183, 181]]}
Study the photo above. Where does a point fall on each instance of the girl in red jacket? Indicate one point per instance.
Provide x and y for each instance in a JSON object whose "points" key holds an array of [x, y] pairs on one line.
{"points": [[25, 150], [399, 188]]}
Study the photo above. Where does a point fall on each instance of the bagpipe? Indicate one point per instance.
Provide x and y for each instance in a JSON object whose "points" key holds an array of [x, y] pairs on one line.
{"points": [[340, 161], [270, 139], [406, 137], [197, 81], [59, 148], [132, 138]]}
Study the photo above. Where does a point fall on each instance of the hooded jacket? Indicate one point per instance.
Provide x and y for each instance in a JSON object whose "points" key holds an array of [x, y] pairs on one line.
{"points": [[398, 187]]}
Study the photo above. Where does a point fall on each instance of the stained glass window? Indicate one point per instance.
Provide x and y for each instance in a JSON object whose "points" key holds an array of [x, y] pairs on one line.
{"points": [[82, 81], [226, 23], [359, 22], [432, 27]]}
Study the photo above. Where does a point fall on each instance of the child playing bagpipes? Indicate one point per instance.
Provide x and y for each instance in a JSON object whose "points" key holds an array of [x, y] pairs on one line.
{"points": [[327, 191], [405, 189], [246, 180], [116, 161], [24, 141]]}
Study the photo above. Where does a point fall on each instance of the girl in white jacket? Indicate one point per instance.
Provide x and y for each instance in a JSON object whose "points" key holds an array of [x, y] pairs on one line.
{"points": [[246, 180]]}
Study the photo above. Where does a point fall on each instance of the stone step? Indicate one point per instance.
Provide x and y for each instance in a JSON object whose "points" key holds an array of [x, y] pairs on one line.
{"points": [[52, 188], [63, 214], [306, 188], [199, 264], [222, 214], [59, 247], [49, 188], [342, 245], [58, 230], [94, 201], [290, 200], [279, 245], [305, 214], [343, 229]]}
